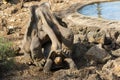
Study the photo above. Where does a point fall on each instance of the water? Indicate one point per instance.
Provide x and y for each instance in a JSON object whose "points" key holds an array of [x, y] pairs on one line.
{"points": [[107, 10]]}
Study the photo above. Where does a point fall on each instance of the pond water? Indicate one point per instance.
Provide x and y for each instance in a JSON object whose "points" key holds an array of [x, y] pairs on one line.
{"points": [[107, 10]]}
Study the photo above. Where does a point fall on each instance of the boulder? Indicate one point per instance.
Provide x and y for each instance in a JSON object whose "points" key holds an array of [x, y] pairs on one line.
{"points": [[97, 54]]}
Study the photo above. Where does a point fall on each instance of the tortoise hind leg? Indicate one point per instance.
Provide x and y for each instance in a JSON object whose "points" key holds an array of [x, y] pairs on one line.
{"points": [[71, 63]]}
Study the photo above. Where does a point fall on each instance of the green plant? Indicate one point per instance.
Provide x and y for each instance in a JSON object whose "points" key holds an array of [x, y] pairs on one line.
{"points": [[5, 49], [6, 56]]}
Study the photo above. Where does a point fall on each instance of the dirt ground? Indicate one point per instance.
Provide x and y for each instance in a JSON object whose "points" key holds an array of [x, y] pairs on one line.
{"points": [[13, 21]]}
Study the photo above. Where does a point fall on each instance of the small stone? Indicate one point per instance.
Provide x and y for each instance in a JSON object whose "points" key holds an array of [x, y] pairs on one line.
{"points": [[116, 52]]}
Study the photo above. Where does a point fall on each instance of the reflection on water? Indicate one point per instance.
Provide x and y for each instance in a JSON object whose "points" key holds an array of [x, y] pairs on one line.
{"points": [[107, 10]]}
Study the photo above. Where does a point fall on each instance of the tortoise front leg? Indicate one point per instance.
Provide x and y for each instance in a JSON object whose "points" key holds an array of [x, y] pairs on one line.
{"points": [[48, 66], [71, 63]]}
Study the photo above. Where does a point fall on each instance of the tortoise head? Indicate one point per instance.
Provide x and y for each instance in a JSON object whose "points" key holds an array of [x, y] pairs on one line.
{"points": [[58, 60]]}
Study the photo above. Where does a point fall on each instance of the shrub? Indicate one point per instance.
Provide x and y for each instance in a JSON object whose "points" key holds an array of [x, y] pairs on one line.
{"points": [[6, 56], [5, 49]]}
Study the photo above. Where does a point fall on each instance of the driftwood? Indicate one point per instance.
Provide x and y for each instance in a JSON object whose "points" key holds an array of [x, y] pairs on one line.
{"points": [[45, 32]]}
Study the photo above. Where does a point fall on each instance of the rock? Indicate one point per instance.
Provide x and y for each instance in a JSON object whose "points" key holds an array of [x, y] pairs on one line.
{"points": [[93, 34], [90, 36], [89, 73], [12, 19], [118, 39], [116, 52], [64, 75], [77, 38], [79, 48], [114, 33], [79, 51], [1, 13], [97, 54], [94, 77], [112, 69], [82, 74], [96, 37]]}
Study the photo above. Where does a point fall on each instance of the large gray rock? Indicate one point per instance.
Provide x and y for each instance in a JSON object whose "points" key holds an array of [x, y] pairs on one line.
{"points": [[97, 54]]}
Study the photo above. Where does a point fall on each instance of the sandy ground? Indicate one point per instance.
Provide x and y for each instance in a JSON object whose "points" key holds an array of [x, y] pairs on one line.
{"points": [[13, 21]]}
